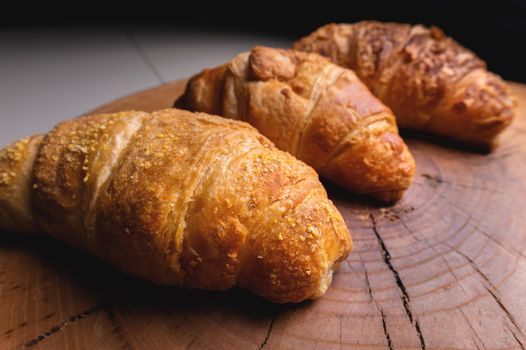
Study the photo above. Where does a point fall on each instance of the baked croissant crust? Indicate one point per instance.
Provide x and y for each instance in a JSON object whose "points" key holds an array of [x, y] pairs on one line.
{"points": [[430, 81], [317, 111], [178, 198]]}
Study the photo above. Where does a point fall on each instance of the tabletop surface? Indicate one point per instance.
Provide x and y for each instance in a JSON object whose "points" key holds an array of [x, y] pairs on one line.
{"points": [[49, 75]]}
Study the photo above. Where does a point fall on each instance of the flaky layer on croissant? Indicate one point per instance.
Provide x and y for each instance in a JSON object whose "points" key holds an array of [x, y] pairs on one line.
{"points": [[178, 198], [430, 81], [313, 109]]}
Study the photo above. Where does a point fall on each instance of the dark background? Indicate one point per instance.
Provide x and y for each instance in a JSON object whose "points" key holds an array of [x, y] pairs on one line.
{"points": [[495, 30]]}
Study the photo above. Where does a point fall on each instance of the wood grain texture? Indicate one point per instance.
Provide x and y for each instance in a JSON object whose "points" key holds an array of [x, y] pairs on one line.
{"points": [[443, 269]]}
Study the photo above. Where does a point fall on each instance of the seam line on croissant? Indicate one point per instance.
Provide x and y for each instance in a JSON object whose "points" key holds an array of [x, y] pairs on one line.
{"points": [[363, 123], [238, 78], [248, 228], [31, 175], [333, 73], [254, 235], [175, 231], [383, 80], [239, 156], [90, 216]]}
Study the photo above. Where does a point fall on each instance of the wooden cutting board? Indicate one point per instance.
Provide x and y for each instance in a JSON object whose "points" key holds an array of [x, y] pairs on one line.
{"points": [[443, 269]]}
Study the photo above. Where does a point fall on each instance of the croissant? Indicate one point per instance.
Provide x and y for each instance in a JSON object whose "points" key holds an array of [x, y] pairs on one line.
{"points": [[178, 198], [317, 111], [431, 82]]}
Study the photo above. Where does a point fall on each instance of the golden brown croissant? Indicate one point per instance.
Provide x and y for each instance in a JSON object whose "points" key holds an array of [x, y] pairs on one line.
{"points": [[430, 81], [317, 111], [178, 198]]}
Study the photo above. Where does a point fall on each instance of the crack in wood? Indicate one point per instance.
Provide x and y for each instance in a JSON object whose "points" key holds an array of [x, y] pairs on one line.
{"points": [[386, 332], [117, 328], [491, 289], [269, 330], [471, 327], [434, 178], [380, 309], [474, 342], [516, 338], [487, 235], [441, 256], [55, 329], [508, 315], [369, 289], [406, 300], [437, 179]]}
